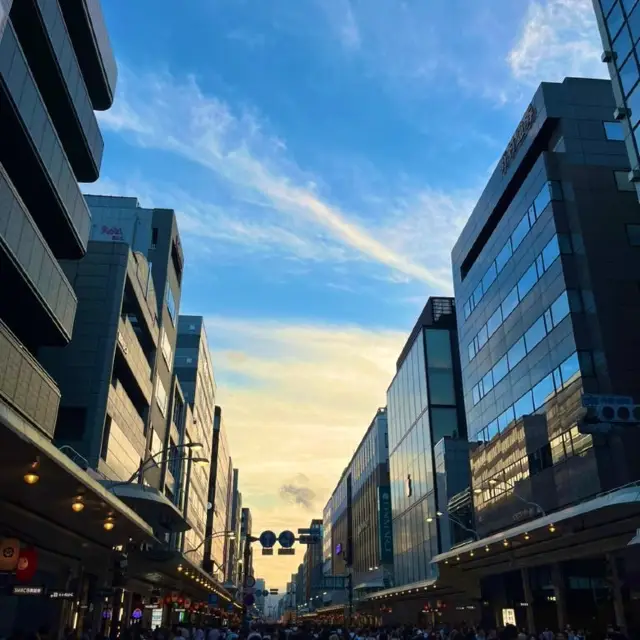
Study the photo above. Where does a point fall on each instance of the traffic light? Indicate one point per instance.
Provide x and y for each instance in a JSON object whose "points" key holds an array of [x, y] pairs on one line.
{"points": [[602, 418]]}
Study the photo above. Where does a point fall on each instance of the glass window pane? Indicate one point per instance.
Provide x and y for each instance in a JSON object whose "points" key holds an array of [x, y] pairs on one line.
{"points": [[489, 277], [477, 295], [520, 232], [506, 418], [614, 130], [492, 430], [475, 393], [615, 20], [629, 74], [532, 215], [471, 349], [606, 5], [542, 200], [560, 309], [550, 252], [494, 322], [467, 309], [483, 336], [500, 369], [441, 386], [622, 46], [510, 303], [527, 282], [524, 406], [570, 369], [503, 256], [633, 234], [516, 353], [487, 382], [438, 349], [444, 422], [628, 5], [634, 23], [543, 391], [633, 102], [535, 334]]}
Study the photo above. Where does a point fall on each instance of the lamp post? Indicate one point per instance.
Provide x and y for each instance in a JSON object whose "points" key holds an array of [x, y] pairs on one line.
{"points": [[451, 517]]}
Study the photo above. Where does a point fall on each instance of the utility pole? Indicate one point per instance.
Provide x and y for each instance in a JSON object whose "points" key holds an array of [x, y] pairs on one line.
{"points": [[245, 570]]}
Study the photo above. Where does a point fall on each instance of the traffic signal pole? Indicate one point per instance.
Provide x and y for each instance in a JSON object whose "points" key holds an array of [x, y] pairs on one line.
{"points": [[245, 578]]}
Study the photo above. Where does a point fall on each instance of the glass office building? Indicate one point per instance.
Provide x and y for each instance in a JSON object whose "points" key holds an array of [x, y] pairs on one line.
{"points": [[546, 274], [619, 25], [424, 406]]}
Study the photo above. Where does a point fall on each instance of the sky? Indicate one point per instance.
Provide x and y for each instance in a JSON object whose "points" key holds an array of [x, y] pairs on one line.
{"points": [[322, 157]]}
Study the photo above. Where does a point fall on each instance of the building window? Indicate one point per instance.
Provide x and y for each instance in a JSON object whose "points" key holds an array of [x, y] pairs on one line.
{"points": [[166, 349], [633, 234], [629, 75], [171, 304], [161, 397], [614, 130], [106, 432], [154, 237], [615, 20], [622, 46]]}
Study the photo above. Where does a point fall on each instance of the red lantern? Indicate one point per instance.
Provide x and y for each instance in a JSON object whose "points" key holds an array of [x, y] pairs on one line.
{"points": [[27, 564], [167, 599]]}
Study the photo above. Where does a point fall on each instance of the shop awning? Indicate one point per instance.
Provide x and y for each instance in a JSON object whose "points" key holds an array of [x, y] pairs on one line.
{"points": [[151, 505], [606, 520], [405, 589]]}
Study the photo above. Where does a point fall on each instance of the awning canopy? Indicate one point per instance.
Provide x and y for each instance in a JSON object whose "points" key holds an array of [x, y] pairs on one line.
{"points": [[601, 524], [405, 589], [151, 505], [41, 513]]}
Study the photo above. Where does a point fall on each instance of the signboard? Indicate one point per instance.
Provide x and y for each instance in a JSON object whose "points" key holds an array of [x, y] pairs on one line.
{"points": [[267, 552], [595, 400], [286, 539], [136, 614], [61, 595], [273, 592], [386, 525], [267, 539], [509, 617], [518, 138], [309, 539], [286, 552], [18, 590], [265, 593], [156, 618]]}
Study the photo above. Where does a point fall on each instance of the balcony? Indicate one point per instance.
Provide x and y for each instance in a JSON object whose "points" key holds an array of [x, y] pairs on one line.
{"points": [[122, 410], [38, 276], [34, 158], [88, 32], [25, 385], [44, 38], [132, 352]]}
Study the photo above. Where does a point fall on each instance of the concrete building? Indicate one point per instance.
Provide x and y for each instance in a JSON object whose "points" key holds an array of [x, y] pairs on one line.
{"points": [[220, 491], [546, 272], [194, 371], [619, 25], [313, 565], [260, 597], [56, 68], [233, 556], [246, 529]]}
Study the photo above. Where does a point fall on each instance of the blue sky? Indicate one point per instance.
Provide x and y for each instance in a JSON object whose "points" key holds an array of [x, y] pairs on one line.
{"points": [[322, 156]]}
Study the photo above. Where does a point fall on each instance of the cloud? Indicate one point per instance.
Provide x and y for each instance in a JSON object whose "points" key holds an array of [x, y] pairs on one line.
{"points": [[298, 493], [558, 38], [296, 397], [252, 164]]}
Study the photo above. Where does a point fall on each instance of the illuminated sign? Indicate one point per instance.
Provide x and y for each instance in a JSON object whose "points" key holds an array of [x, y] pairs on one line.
{"points": [[61, 595], [518, 138], [339, 548], [386, 525], [17, 590]]}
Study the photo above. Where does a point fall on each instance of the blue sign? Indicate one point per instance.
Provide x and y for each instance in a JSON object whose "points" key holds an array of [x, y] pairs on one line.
{"points": [[286, 539], [267, 539], [339, 548], [213, 599], [386, 525]]}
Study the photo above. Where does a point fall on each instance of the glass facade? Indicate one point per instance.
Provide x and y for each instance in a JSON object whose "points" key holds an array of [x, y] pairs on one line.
{"points": [[422, 409]]}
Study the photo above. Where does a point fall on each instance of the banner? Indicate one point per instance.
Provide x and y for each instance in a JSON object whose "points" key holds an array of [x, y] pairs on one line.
{"points": [[385, 525]]}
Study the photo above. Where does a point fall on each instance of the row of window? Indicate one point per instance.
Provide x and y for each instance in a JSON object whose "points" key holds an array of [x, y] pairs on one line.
{"points": [[171, 304], [623, 24], [550, 191], [548, 321], [567, 445], [161, 396], [511, 301], [167, 352], [534, 399]]}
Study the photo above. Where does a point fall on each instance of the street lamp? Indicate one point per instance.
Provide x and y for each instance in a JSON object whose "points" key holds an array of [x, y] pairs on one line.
{"points": [[451, 517], [232, 536]]}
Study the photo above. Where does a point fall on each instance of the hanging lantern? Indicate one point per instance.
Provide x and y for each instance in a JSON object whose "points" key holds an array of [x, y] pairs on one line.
{"points": [[27, 564], [9, 554]]}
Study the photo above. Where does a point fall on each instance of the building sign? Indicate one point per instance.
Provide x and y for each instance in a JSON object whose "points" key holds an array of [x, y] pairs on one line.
{"points": [[9, 550], [61, 595], [509, 617], [18, 590], [518, 138], [386, 525]]}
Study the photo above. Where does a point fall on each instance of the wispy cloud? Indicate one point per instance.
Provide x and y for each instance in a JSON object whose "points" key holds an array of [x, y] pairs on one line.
{"points": [[296, 399], [558, 38], [163, 112]]}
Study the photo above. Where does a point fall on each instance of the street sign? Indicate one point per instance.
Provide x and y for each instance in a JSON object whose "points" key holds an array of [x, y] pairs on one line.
{"points": [[250, 581], [249, 599], [267, 551], [305, 532], [596, 399], [286, 539], [265, 593], [309, 539], [286, 552], [267, 539], [273, 592]]}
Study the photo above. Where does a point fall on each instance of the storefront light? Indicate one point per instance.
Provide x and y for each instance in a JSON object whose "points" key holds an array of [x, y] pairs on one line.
{"points": [[527, 536], [32, 476], [487, 549], [77, 505], [109, 524], [552, 528], [505, 542]]}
